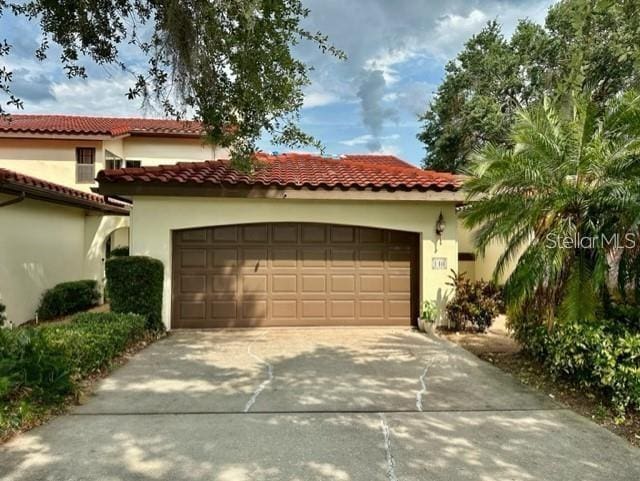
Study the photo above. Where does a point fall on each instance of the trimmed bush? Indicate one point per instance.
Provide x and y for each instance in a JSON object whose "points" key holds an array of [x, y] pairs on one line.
{"points": [[43, 362], [135, 285], [68, 298], [119, 252], [474, 305]]}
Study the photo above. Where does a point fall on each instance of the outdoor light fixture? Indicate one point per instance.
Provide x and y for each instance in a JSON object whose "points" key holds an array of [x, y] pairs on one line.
{"points": [[440, 225]]}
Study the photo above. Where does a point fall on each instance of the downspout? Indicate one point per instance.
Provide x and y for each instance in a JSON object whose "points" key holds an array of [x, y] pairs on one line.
{"points": [[15, 200]]}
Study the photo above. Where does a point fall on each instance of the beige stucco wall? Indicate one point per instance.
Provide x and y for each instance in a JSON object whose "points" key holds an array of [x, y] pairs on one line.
{"points": [[42, 244], [55, 160], [158, 150], [484, 265], [52, 160], [151, 233]]}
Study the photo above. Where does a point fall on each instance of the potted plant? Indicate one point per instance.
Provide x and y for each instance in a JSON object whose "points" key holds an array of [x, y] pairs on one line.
{"points": [[428, 315]]}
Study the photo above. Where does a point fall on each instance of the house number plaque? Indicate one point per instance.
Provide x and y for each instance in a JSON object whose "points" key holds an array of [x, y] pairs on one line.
{"points": [[438, 263]]}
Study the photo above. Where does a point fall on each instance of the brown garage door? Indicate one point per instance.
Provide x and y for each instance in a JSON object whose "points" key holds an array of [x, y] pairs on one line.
{"points": [[293, 275]]}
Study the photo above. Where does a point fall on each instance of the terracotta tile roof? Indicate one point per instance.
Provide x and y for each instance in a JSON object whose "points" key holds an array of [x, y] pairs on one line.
{"points": [[294, 170], [109, 126], [16, 183]]}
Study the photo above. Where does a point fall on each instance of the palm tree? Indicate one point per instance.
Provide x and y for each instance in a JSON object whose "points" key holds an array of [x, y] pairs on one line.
{"points": [[570, 183]]}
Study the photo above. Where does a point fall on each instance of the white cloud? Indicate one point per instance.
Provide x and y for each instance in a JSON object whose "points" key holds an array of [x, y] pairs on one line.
{"points": [[315, 96], [366, 139]]}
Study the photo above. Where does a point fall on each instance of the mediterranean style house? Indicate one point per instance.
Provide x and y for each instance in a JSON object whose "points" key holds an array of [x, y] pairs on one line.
{"points": [[304, 240]]}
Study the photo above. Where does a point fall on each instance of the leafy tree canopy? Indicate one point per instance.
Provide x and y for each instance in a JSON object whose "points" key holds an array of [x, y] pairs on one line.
{"points": [[588, 45], [563, 200], [228, 63]]}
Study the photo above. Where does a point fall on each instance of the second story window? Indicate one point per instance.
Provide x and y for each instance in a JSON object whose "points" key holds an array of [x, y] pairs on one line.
{"points": [[111, 160], [85, 165]]}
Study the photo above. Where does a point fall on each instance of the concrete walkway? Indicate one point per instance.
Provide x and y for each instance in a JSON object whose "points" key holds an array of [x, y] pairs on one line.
{"points": [[315, 404]]}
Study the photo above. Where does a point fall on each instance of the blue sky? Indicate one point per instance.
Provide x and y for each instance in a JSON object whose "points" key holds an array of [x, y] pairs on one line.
{"points": [[396, 52]]}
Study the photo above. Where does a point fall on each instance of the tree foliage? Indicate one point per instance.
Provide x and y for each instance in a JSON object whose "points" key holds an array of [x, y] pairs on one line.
{"points": [[585, 45], [563, 199], [227, 63]]}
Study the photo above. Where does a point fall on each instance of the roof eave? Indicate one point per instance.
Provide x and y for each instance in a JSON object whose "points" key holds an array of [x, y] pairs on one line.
{"points": [[171, 189], [36, 193]]}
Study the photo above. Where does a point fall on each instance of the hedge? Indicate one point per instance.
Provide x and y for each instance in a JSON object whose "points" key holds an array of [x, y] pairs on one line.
{"points": [[44, 362], [135, 285], [119, 252], [68, 298], [601, 355]]}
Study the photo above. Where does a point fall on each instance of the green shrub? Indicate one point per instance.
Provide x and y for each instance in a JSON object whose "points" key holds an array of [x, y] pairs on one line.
{"points": [[29, 363], [474, 305], [119, 252], [3, 316], [92, 340], [599, 355], [135, 285], [68, 298], [44, 361]]}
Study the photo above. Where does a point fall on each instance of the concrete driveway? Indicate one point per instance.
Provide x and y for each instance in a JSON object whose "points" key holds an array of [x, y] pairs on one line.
{"points": [[315, 404]]}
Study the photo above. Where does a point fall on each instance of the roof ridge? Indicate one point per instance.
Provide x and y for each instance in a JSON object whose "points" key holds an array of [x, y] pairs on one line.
{"points": [[102, 117]]}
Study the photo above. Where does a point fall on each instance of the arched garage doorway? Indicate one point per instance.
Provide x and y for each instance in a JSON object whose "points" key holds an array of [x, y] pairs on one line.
{"points": [[293, 274]]}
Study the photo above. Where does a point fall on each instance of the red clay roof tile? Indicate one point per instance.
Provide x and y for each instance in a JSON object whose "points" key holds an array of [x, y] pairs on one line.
{"points": [[295, 170], [16, 182], [108, 126]]}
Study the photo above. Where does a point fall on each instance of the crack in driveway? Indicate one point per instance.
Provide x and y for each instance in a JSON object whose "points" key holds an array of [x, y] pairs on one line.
{"points": [[391, 463], [422, 391], [263, 384]]}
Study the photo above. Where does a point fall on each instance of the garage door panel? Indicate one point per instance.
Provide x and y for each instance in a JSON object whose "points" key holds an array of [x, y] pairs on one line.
{"points": [[399, 308], [314, 283], [254, 283], [343, 283], [314, 234], [314, 309], [254, 258], [371, 236], [255, 233], [372, 283], [312, 257], [399, 283], [372, 257], [284, 257], [284, 309], [190, 257], [225, 234], [223, 283], [293, 274], [254, 309], [342, 258], [193, 236], [284, 284], [193, 309], [224, 257], [285, 233], [345, 309], [192, 284], [372, 308], [223, 309], [342, 234]]}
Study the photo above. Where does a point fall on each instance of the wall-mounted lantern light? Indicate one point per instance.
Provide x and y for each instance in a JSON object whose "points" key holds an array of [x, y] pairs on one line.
{"points": [[440, 225]]}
